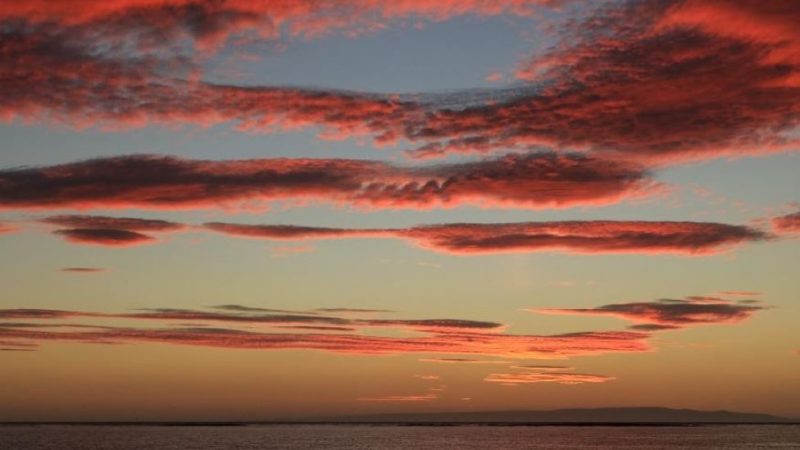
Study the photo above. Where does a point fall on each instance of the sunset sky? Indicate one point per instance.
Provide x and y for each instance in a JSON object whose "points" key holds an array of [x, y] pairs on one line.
{"points": [[248, 210]]}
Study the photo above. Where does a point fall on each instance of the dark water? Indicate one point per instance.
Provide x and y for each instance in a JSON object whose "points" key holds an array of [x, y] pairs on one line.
{"points": [[87, 437]]}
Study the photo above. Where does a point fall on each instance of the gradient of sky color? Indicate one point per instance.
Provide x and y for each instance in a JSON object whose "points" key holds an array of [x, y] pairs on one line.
{"points": [[724, 338]]}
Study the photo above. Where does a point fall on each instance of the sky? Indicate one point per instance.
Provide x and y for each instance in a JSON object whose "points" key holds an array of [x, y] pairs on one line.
{"points": [[254, 210]]}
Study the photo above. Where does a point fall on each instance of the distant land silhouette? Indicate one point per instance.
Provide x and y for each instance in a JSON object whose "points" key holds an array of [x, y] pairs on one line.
{"points": [[620, 416], [635, 415]]}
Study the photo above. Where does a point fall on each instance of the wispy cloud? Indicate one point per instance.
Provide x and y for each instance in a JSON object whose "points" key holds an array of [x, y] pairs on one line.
{"points": [[427, 377], [665, 314], [6, 228], [514, 379], [83, 269], [202, 328], [401, 398], [543, 368], [282, 251], [463, 361]]}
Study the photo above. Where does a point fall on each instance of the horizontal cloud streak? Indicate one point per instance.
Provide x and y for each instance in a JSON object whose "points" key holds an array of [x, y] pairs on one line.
{"points": [[400, 398], [576, 236], [534, 180], [439, 336], [108, 231], [103, 236], [543, 368], [462, 361], [511, 346], [669, 313], [244, 315], [83, 269], [514, 379], [4, 228], [123, 223]]}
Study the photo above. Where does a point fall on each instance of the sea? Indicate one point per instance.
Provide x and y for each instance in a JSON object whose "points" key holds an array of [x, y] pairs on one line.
{"points": [[376, 437]]}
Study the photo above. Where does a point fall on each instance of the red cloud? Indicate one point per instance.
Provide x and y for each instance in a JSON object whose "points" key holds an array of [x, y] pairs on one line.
{"points": [[109, 231], [160, 22], [787, 224], [511, 346], [6, 228], [535, 181], [123, 223], [583, 237], [668, 313], [656, 81], [83, 269], [588, 237], [772, 24], [104, 236], [244, 315]]}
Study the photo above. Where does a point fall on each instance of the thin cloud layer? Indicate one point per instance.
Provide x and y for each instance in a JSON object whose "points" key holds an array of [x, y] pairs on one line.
{"points": [[83, 269], [123, 223], [264, 331], [103, 236], [544, 368], [576, 236], [400, 398], [246, 315], [665, 314], [462, 361], [513, 379], [4, 228], [532, 181]]}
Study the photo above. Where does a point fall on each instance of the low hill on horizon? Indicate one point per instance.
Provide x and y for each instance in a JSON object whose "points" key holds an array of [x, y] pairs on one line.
{"points": [[571, 415]]}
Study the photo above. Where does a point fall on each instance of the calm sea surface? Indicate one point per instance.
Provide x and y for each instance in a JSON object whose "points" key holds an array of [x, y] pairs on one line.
{"points": [[86, 437]]}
